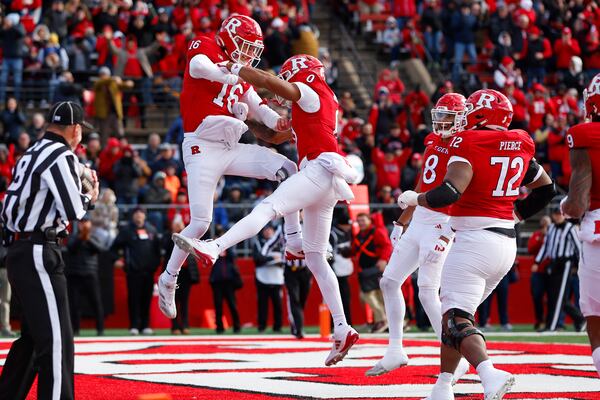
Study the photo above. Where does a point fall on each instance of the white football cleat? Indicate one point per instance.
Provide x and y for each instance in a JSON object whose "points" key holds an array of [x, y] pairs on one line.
{"points": [[501, 385], [388, 364], [166, 297], [292, 255], [343, 339], [441, 391], [293, 247], [461, 370], [206, 251]]}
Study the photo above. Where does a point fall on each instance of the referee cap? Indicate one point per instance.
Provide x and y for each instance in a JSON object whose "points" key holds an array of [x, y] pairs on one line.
{"points": [[67, 113]]}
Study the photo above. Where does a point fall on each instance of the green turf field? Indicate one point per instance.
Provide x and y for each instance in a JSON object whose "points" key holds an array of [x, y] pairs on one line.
{"points": [[520, 333]]}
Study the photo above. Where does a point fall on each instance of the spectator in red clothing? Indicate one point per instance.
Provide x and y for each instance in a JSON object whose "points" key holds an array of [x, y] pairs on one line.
{"points": [[80, 23], [506, 72], [538, 50], [565, 48], [371, 248], [519, 102], [6, 163], [525, 8], [404, 10], [415, 104], [389, 164], [557, 146], [390, 80], [591, 52], [539, 107], [180, 209], [565, 101], [108, 157]]}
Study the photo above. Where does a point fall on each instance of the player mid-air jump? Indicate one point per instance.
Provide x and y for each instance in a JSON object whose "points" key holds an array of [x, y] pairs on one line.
{"points": [[584, 201], [412, 249], [488, 163], [214, 106], [316, 188]]}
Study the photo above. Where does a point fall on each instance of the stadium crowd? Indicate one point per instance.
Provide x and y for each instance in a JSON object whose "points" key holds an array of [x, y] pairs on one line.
{"points": [[114, 56]]}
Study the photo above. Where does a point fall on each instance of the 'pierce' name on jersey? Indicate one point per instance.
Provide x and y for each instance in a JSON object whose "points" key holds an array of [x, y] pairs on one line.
{"points": [[512, 145]]}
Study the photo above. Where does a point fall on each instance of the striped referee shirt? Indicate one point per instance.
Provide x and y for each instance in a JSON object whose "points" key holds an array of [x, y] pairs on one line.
{"points": [[561, 242], [46, 188]]}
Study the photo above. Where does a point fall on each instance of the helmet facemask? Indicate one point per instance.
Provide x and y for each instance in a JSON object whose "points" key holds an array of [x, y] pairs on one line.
{"points": [[446, 122], [246, 52]]}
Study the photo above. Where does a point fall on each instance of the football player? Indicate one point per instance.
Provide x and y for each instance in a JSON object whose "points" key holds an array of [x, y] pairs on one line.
{"points": [[214, 106], [584, 201], [411, 250], [487, 165], [316, 188]]}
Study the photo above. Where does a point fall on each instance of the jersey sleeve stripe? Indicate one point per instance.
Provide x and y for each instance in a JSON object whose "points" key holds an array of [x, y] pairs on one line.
{"points": [[458, 159]]}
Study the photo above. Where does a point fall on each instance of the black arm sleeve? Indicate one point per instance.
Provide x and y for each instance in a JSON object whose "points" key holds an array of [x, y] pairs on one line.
{"points": [[443, 195], [537, 200], [533, 172]]}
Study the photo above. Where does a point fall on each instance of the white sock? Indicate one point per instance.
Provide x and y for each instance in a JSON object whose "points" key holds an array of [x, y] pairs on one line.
{"points": [[329, 286], [596, 358], [196, 229], [247, 227], [395, 309], [291, 224], [430, 299], [445, 378], [485, 369]]}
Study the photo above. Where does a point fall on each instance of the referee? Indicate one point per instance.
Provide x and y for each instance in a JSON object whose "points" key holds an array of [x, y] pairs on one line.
{"points": [[45, 194], [560, 251]]}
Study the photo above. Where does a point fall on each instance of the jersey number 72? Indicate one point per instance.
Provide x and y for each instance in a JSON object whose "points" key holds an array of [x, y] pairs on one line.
{"points": [[507, 165]]}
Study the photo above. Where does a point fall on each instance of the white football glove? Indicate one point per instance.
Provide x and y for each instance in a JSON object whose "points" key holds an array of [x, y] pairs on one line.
{"points": [[396, 233], [240, 110], [407, 199], [440, 246]]}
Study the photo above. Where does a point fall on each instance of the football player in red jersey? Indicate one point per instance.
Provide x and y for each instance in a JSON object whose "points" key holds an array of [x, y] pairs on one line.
{"points": [[487, 165], [584, 201], [316, 188], [214, 106], [411, 250]]}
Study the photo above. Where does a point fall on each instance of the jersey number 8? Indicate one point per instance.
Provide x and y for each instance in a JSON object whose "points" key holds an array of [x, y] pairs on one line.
{"points": [[429, 170]]}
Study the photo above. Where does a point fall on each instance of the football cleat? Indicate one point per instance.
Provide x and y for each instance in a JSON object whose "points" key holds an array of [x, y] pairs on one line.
{"points": [[461, 370], [501, 385], [388, 364], [166, 297], [206, 251], [343, 340]]}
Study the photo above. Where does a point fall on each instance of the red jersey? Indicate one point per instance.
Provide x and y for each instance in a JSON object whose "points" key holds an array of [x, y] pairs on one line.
{"points": [[500, 160], [587, 136], [435, 163], [315, 132], [201, 97]]}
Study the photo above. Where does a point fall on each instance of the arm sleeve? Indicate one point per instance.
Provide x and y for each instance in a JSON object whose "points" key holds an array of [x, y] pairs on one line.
{"points": [[534, 171], [201, 67], [65, 185], [309, 99], [259, 109]]}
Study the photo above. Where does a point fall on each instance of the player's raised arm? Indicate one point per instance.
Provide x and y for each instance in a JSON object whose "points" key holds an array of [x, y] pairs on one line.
{"points": [[265, 80], [201, 67]]}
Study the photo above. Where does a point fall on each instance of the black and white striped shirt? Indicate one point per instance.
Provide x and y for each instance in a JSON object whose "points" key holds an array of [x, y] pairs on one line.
{"points": [[46, 188], [561, 242]]}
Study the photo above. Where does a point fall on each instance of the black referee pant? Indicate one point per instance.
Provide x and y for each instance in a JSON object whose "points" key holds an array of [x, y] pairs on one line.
{"points": [[45, 348], [265, 294], [297, 283]]}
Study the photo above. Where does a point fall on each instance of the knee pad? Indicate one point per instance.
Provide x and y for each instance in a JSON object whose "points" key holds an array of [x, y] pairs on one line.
{"points": [[454, 333], [288, 169], [388, 285]]}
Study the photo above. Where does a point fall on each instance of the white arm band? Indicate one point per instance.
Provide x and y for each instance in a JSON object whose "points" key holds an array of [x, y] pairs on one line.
{"points": [[309, 99], [201, 67], [259, 111]]}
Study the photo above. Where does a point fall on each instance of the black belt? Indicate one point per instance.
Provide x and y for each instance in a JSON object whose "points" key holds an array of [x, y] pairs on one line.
{"points": [[509, 232], [50, 235]]}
